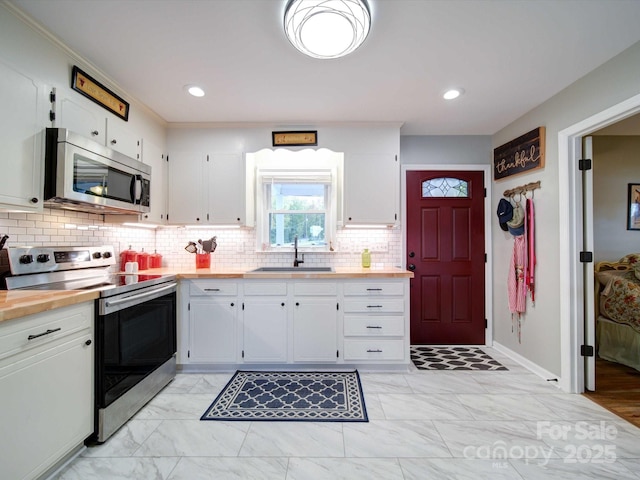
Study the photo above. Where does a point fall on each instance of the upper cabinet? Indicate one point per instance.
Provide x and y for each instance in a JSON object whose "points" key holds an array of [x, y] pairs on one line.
{"points": [[371, 185], [206, 188], [25, 110], [79, 115], [152, 155]]}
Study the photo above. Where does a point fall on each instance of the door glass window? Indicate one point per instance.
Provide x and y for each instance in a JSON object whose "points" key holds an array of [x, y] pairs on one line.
{"points": [[445, 187]]}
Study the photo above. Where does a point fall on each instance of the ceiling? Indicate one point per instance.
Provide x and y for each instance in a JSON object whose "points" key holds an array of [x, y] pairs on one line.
{"points": [[508, 55]]}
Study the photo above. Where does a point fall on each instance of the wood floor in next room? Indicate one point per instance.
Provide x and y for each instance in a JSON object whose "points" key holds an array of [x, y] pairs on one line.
{"points": [[617, 390]]}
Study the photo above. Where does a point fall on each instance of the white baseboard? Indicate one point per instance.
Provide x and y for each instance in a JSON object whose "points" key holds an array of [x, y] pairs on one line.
{"points": [[528, 364]]}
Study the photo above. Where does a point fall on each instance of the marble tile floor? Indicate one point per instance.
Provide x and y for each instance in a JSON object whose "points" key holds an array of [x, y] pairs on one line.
{"points": [[422, 425]]}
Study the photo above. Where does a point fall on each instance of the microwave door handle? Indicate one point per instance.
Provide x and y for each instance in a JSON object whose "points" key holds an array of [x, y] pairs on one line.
{"points": [[136, 189]]}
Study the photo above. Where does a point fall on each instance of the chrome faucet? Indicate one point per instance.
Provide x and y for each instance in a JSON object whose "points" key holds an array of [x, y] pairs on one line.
{"points": [[296, 261]]}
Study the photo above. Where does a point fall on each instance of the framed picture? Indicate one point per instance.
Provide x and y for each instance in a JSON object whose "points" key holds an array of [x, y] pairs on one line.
{"points": [[633, 207], [295, 139], [88, 86]]}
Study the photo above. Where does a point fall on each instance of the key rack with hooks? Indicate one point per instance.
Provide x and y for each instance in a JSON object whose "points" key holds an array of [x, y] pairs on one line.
{"points": [[522, 189]]}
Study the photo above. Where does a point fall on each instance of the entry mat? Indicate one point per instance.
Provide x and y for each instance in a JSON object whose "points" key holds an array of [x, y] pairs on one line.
{"points": [[290, 396], [453, 358]]}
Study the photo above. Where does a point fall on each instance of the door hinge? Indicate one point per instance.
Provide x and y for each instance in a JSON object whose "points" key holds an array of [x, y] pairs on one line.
{"points": [[337, 306], [485, 193], [584, 164], [337, 353], [189, 306], [207, 158], [486, 323], [396, 158], [395, 216], [188, 353], [586, 257], [167, 157], [485, 258], [242, 353], [586, 350], [52, 95], [52, 115], [207, 217], [242, 305]]}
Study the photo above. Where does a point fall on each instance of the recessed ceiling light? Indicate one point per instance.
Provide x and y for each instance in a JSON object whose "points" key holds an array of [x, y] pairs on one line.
{"points": [[452, 93], [195, 90]]}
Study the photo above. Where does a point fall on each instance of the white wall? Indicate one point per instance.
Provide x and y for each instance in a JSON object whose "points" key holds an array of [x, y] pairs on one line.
{"points": [[469, 150], [616, 163], [608, 85]]}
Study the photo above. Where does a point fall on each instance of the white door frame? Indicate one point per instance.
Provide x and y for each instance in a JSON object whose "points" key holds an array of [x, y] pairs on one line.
{"points": [[488, 271], [572, 286]]}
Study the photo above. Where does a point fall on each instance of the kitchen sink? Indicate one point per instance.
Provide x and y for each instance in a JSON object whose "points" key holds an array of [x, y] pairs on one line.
{"points": [[293, 269]]}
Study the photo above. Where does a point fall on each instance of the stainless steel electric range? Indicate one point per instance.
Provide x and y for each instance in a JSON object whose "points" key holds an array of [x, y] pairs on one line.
{"points": [[135, 322]]}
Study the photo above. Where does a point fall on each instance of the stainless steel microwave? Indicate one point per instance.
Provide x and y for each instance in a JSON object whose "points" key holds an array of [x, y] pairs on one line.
{"points": [[83, 175]]}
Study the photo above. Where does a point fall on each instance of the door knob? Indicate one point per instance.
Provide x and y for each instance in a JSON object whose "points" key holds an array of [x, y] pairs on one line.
{"points": [[412, 254], [411, 267]]}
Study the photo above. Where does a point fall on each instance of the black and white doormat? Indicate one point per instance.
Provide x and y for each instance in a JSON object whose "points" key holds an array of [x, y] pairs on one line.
{"points": [[290, 396], [453, 358]]}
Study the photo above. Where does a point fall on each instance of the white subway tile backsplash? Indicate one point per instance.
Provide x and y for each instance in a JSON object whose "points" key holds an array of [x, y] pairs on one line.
{"points": [[235, 249]]}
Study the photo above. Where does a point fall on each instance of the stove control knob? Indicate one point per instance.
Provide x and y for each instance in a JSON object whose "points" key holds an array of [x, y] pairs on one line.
{"points": [[97, 255], [106, 254], [26, 259], [43, 258]]}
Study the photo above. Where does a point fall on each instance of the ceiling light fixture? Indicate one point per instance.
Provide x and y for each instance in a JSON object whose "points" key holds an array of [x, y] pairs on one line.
{"points": [[327, 28], [452, 93], [194, 90]]}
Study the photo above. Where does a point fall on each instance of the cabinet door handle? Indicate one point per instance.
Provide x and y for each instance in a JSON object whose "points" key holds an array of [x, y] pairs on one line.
{"points": [[374, 306], [282, 304], [48, 332], [94, 132], [233, 304], [374, 289], [113, 142], [87, 343], [374, 351], [297, 304], [370, 326]]}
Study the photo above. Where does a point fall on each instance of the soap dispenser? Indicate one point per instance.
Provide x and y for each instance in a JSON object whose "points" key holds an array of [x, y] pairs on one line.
{"points": [[366, 258]]}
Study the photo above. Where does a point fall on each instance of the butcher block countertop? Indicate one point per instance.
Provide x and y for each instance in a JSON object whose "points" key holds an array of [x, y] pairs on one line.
{"points": [[19, 303], [302, 274]]}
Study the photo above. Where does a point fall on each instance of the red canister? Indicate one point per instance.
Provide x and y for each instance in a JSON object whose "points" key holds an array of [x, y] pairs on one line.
{"points": [[143, 260], [127, 256], [155, 260]]}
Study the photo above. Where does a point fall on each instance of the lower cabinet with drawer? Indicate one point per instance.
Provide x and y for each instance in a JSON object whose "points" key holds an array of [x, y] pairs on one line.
{"points": [[376, 322], [46, 385], [212, 309], [278, 322]]}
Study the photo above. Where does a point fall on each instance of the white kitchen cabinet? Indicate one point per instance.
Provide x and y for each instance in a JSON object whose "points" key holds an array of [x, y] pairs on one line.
{"points": [[46, 406], [315, 322], [206, 188], [265, 322], [371, 189], [213, 321], [25, 115], [152, 155], [376, 328], [80, 115]]}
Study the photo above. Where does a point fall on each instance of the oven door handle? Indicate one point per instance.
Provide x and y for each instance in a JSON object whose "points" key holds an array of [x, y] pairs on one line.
{"points": [[140, 296]]}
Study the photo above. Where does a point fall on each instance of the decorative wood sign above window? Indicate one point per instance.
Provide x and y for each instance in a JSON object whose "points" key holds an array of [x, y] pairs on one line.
{"points": [[520, 155], [95, 91], [295, 139]]}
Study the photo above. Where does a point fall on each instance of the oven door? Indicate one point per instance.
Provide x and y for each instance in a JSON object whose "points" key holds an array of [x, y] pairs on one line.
{"points": [[132, 341]]}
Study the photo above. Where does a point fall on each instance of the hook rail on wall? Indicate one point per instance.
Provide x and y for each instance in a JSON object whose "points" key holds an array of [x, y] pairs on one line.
{"points": [[529, 187]]}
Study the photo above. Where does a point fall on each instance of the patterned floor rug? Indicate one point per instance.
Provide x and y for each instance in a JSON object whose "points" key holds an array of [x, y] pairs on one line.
{"points": [[453, 358], [290, 396]]}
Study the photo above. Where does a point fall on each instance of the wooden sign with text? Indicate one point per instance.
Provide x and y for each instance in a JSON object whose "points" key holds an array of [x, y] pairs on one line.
{"points": [[520, 155]]}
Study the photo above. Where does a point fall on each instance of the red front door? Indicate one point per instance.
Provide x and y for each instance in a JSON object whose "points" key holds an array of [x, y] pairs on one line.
{"points": [[445, 248]]}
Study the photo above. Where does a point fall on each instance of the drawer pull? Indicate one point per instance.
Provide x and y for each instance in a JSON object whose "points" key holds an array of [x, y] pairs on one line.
{"points": [[374, 289], [48, 332], [211, 289], [374, 351], [374, 306], [370, 326]]}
